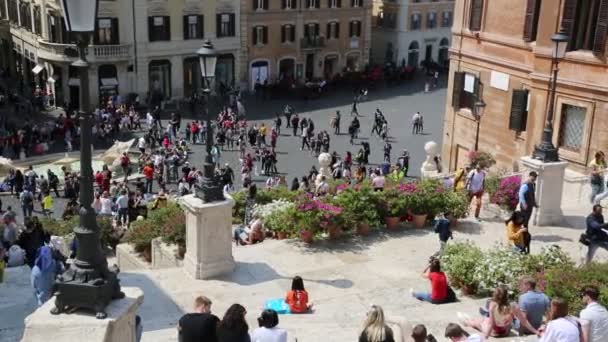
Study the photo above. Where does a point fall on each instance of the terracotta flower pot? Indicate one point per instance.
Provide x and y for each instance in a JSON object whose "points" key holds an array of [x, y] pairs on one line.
{"points": [[147, 254], [181, 251], [306, 236], [281, 235], [419, 220], [468, 289], [392, 222], [363, 229], [334, 231]]}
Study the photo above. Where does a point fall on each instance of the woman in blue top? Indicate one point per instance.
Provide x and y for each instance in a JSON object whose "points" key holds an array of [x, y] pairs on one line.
{"points": [[43, 274]]}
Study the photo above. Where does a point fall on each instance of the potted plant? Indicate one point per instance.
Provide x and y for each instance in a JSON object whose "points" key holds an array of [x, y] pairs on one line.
{"points": [[307, 220], [277, 217], [394, 206], [418, 206], [359, 208], [331, 219], [507, 194], [460, 261], [456, 205]]}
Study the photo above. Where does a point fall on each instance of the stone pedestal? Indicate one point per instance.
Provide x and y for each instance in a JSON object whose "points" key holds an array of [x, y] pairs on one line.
{"points": [[82, 325], [549, 186], [208, 237], [429, 167]]}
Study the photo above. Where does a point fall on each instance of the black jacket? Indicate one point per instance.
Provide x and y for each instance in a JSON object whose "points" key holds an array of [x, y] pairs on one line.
{"points": [[594, 232]]}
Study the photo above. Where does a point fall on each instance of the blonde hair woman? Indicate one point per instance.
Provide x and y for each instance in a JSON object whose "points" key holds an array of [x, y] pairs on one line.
{"points": [[375, 328]]}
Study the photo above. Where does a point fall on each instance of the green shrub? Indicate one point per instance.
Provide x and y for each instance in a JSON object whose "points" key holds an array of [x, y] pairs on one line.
{"points": [[459, 261], [172, 221], [359, 205], [568, 281], [66, 227], [141, 234]]}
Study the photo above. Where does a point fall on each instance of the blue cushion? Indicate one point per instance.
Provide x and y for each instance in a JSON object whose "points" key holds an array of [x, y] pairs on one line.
{"points": [[278, 305]]}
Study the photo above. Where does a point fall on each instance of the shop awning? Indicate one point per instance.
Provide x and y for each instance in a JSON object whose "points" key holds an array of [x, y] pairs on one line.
{"points": [[37, 69], [109, 82], [74, 82]]}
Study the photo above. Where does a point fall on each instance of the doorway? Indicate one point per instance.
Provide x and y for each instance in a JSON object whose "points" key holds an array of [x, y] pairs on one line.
{"points": [[75, 96], [259, 73], [428, 56], [310, 66]]}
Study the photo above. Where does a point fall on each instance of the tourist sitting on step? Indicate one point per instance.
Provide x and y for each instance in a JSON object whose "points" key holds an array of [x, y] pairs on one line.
{"points": [[252, 234], [297, 297]]}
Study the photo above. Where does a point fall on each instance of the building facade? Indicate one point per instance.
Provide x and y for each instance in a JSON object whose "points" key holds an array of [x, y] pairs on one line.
{"points": [[140, 46], [407, 32], [501, 53], [299, 40]]}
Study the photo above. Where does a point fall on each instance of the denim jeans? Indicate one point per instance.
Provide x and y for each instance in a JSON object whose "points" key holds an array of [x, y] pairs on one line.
{"points": [[149, 185], [596, 189], [424, 296], [593, 248]]}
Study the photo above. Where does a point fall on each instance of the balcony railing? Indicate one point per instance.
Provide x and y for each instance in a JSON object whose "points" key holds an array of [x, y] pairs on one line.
{"points": [[55, 51], [312, 42]]}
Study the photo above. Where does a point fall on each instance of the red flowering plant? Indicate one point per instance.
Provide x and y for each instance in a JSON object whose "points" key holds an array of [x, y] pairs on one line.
{"points": [[313, 214], [484, 159], [507, 195]]}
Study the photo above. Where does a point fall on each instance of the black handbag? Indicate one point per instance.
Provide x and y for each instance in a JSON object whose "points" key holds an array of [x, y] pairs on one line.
{"points": [[584, 239]]}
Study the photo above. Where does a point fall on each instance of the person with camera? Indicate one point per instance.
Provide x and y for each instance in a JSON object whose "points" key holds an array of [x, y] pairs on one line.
{"points": [[595, 235], [439, 284]]}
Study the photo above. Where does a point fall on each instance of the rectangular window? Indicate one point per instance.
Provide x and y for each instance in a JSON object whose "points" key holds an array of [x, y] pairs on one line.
{"points": [[193, 27], [531, 20], [260, 5], [447, 19], [415, 23], [107, 31], [289, 4], [313, 3], [37, 19], [465, 90], [519, 110], [431, 20], [572, 127], [355, 29], [476, 15], [3, 13], [587, 25], [334, 3], [13, 11], [288, 33], [311, 31], [260, 35], [355, 3], [333, 30], [159, 28], [225, 25]]}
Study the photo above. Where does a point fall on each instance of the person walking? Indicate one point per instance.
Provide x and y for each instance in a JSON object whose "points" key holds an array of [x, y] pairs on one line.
{"points": [[596, 232], [295, 120], [527, 201], [416, 123], [337, 123], [596, 177], [475, 185], [27, 203], [354, 111]]}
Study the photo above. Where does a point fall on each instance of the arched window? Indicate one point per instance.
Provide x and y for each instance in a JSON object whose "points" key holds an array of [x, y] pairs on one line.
{"points": [[444, 45], [412, 56]]}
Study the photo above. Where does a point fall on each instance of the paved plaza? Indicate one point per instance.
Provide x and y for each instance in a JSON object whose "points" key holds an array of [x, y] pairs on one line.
{"points": [[343, 279]]}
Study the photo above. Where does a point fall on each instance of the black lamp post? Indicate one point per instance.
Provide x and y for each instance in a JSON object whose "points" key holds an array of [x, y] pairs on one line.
{"points": [[478, 110], [209, 188], [546, 151], [88, 283]]}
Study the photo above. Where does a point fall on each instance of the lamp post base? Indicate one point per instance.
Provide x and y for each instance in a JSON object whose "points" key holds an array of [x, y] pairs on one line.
{"points": [[546, 153], [87, 289]]}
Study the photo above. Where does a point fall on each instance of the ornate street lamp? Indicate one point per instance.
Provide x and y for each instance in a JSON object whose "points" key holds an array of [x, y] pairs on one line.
{"points": [[88, 283], [209, 188], [546, 151], [478, 110]]}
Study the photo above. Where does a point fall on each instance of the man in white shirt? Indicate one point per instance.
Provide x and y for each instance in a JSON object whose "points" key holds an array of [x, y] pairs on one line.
{"points": [[594, 317], [476, 180]]}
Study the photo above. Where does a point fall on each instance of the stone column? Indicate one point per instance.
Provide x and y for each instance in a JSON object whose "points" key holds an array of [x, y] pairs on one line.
{"points": [[549, 186], [208, 237]]}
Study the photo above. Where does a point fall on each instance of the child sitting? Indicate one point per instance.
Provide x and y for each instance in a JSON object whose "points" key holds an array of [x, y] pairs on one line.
{"points": [[297, 298]]}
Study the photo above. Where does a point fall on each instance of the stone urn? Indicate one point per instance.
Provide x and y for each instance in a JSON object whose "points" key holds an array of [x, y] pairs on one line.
{"points": [[429, 167], [324, 168]]}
